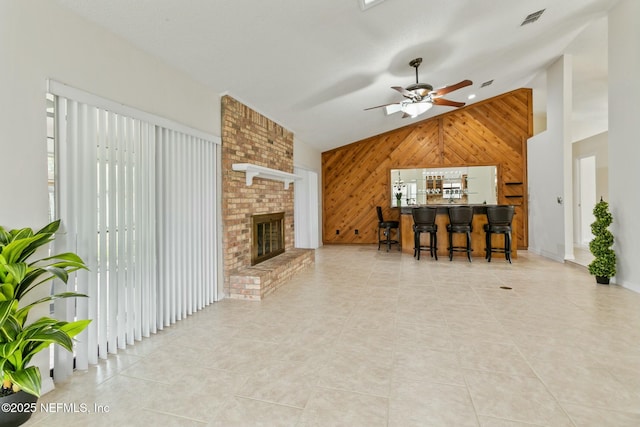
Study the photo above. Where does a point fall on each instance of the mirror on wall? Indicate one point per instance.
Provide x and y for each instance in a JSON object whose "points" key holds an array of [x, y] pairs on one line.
{"points": [[465, 185]]}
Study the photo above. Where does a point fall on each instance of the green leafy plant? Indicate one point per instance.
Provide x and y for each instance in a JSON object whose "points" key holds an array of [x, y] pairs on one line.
{"points": [[604, 264], [20, 340]]}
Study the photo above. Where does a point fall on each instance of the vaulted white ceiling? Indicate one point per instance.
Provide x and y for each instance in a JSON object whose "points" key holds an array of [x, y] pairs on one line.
{"points": [[314, 66]]}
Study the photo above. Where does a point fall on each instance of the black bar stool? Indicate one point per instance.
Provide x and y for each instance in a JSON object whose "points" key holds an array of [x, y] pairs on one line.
{"points": [[460, 219], [424, 221], [387, 226], [499, 218]]}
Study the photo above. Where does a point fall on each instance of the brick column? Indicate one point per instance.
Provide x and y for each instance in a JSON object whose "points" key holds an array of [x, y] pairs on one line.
{"points": [[249, 137]]}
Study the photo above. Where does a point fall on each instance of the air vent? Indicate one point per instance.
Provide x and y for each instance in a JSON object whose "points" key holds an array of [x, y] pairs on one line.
{"points": [[532, 17], [487, 83]]}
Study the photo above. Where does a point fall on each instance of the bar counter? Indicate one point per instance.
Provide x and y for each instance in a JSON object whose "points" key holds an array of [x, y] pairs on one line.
{"points": [[442, 219]]}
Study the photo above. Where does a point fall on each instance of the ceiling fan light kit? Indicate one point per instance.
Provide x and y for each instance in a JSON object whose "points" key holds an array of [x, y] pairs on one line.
{"points": [[420, 89], [413, 110], [420, 97]]}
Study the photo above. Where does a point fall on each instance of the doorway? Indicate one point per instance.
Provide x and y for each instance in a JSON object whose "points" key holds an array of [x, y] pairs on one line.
{"points": [[305, 209], [587, 200]]}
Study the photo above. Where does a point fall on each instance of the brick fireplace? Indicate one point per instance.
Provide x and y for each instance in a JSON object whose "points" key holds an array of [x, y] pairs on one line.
{"points": [[249, 137]]}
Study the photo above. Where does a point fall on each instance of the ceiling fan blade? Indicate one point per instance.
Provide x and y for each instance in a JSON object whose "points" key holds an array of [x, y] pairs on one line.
{"points": [[446, 102], [445, 90], [380, 106], [404, 92], [392, 109]]}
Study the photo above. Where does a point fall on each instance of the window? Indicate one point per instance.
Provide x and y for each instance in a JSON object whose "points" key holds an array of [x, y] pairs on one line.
{"points": [[50, 155], [137, 200]]}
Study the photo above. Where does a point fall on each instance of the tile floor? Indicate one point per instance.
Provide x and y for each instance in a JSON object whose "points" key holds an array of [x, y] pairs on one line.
{"points": [[370, 338], [582, 255]]}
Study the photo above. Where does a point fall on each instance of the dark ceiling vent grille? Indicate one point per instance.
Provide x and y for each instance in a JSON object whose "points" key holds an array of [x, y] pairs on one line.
{"points": [[532, 17], [487, 83]]}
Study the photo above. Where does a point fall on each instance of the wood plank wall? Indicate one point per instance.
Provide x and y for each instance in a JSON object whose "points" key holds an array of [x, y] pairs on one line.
{"points": [[492, 132]]}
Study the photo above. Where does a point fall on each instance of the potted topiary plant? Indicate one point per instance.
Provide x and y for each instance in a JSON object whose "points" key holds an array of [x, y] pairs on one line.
{"points": [[604, 264], [22, 338]]}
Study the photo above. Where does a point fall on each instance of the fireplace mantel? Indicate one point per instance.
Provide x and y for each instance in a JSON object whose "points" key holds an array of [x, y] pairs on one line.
{"points": [[251, 171]]}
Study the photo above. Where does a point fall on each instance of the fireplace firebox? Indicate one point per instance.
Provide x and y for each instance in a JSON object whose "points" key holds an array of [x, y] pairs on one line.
{"points": [[267, 236]]}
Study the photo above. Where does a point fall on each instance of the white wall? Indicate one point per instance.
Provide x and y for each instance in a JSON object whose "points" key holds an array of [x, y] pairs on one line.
{"points": [[307, 157], [546, 168], [546, 225], [41, 40], [624, 143]]}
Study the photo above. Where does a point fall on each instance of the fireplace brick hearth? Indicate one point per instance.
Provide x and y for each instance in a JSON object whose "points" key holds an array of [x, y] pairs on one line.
{"points": [[258, 281], [249, 137]]}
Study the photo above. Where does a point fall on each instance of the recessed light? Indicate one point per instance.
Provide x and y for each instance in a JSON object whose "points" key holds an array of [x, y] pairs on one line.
{"points": [[472, 96]]}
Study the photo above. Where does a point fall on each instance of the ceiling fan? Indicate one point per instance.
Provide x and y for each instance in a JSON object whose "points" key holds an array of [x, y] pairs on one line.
{"points": [[420, 97]]}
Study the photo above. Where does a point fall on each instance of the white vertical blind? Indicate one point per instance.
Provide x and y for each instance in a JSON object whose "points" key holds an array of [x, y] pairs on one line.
{"points": [[103, 243], [90, 225], [186, 237], [138, 203], [65, 154]]}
